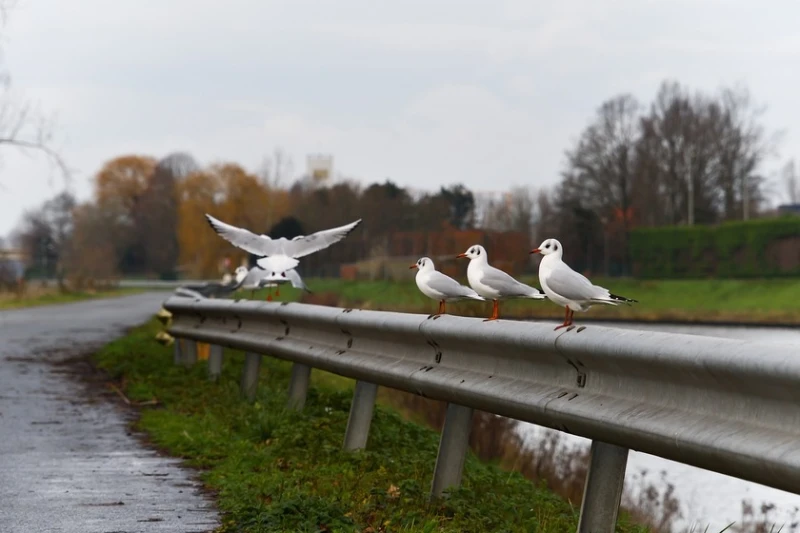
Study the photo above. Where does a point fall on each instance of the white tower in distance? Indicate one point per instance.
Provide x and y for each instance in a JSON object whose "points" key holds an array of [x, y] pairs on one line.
{"points": [[319, 169]]}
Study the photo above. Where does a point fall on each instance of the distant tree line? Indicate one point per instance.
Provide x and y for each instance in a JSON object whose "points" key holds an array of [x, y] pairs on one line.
{"points": [[686, 159]]}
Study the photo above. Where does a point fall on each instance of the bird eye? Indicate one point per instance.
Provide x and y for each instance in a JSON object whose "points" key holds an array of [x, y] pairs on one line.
{"points": [[547, 245]]}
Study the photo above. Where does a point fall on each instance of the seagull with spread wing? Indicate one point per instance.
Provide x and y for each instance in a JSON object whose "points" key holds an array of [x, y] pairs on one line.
{"points": [[279, 257]]}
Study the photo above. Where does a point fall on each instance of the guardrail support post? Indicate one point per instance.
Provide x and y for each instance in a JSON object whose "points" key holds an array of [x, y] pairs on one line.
{"points": [[452, 449], [215, 362], [298, 386], [252, 367], [177, 357], [603, 489], [355, 437], [189, 352]]}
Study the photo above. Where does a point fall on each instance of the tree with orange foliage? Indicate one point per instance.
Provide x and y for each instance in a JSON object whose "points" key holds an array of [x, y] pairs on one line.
{"points": [[227, 192], [120, 186], [123, 181]]}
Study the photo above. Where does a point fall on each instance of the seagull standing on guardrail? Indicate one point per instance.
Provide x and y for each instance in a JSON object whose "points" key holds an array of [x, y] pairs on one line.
{"points": [[568, 288], [441, 287], [492, 283], [279, 256], [215, 289]]}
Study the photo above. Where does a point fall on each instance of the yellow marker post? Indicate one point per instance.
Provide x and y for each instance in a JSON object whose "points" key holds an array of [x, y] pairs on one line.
{"points": [[203, 350]]}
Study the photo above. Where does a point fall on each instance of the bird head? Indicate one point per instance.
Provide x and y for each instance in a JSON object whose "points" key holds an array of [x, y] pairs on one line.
{"points": [[476, 251], [240, 273], [423, 263], [549, 246]]}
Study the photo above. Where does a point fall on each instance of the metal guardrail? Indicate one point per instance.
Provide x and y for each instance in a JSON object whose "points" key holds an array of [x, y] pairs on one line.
{"points": [[724, 405]]}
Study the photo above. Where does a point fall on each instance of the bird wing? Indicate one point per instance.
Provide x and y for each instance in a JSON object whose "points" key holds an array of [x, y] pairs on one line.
{"points": [[571, 285], [296, 280], [505, 284], [244, 239], [252, 278], [308, 244], [446, 285]]}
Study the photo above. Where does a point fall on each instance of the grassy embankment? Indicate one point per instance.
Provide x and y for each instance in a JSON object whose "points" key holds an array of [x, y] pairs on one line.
{"points": [[36, 296], [742, 301], [275, 469]]}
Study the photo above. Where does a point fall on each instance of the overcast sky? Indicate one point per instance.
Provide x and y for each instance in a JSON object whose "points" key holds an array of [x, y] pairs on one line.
{"points": [[423, 92]]}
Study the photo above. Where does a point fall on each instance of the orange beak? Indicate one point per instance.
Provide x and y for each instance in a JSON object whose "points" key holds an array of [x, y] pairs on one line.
{"points": [[459, 256], [536, 251], [412, 266]]}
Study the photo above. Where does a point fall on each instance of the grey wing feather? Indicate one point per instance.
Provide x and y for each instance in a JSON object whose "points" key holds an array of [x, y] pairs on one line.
{"points": [[573, 286], [446, 285], [241, 238], [296, 280], [304, 245], [505, 284]]}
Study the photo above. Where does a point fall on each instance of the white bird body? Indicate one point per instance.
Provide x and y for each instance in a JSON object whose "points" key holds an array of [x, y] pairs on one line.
{"points": [[492, 283], [440, 287], [568, 288], [258, 278]]}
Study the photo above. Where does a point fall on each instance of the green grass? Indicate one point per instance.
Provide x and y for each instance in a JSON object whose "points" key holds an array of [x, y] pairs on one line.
{"points": [[53, 296], [275, 469], [746, 301]]}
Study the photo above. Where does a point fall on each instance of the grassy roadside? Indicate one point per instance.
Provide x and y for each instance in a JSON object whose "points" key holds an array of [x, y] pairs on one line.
{"points": [[738, 301], [37, 297], [278, 470]]}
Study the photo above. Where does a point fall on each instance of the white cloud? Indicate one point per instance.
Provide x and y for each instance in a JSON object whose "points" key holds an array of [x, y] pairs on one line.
{"points": [[426, 93]]}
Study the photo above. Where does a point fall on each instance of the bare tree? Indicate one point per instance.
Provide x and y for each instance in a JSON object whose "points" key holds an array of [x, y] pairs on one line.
{"points": [[22, 125], [276, 170], [517, 210], [44, 234], [743, 147], [601, 171]]}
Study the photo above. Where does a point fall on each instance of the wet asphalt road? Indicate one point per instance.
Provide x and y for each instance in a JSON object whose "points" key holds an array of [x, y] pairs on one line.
{"points": [[68, 464]]}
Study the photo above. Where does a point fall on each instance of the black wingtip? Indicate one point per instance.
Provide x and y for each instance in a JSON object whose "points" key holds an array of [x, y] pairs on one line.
{"points": [[622, 299], [357, 224], [210, 221]]}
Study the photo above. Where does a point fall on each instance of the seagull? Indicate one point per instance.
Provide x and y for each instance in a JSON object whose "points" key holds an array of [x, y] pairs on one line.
{"points": [[213, 289], [253, 281], [258, 278], [492, 283], [568, 288], [438, 286], [279, 256]]}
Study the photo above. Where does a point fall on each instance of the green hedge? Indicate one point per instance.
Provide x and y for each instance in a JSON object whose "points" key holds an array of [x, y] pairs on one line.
{"points": [[730, 250]]}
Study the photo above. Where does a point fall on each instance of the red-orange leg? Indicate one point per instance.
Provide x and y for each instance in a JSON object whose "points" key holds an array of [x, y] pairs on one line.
{"points": [[495, 311]]}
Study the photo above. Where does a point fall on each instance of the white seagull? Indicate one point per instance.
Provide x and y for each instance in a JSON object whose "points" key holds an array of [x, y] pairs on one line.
{"points": [[438, 286], [279, 256], [215, 289], [568, 288], [492, 283], [258, 278]]}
